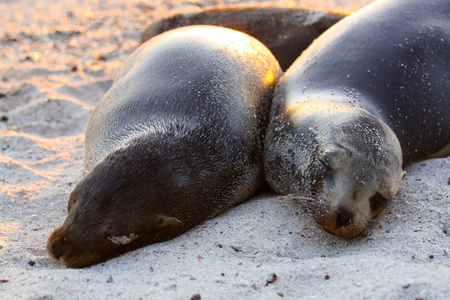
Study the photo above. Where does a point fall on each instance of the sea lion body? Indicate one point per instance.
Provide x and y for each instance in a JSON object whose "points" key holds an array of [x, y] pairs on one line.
{"points": [[366, 98], [175, 141], [286, 31]]}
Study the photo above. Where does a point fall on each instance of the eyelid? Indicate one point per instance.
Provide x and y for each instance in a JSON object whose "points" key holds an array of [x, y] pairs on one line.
{"points": [[326, 164]]}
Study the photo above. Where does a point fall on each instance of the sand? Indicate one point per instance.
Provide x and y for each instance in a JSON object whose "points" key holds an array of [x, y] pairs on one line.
{"points": [[57, 59]]}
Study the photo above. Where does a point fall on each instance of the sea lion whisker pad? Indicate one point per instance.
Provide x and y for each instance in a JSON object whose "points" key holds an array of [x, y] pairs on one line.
{"points": [[368, 97], [175, 141]]}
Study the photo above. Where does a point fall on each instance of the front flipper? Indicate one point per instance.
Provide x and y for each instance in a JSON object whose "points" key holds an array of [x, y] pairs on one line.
{"points": [[285, 31]]}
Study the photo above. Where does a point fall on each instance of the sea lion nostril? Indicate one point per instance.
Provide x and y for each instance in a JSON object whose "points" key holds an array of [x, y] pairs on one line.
{"points": [[56, 250], [344, 217]]}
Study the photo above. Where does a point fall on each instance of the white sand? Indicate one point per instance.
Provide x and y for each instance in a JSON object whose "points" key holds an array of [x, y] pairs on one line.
{"points": [[56, 61]]}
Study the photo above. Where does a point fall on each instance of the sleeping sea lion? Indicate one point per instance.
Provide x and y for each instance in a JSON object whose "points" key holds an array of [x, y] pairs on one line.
{"points": [[175, 141], [368, 97], [286, 31]]}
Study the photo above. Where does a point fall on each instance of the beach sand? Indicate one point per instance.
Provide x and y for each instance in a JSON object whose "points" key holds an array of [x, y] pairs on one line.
{"points": [[57, 59]]}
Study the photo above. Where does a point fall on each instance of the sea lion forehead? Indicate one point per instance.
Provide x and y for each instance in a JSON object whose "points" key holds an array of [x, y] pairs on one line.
{"points": [[315, 106]]}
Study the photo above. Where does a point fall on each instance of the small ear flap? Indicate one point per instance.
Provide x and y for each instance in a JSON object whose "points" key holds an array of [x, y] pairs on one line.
{"points": [[72, 200], [169, 221]]}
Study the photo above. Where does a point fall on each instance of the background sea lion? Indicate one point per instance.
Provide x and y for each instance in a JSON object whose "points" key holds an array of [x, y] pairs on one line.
{"points": [[286, 31], [175, 141], [366, 98]]}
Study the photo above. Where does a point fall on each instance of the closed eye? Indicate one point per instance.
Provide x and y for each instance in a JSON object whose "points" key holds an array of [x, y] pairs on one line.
{"points": [[325, 164]]}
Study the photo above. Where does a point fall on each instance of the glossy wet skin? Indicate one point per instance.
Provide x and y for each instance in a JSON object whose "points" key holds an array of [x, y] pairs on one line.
{"points": [[347, 163], [372, 82], [175, 141]]}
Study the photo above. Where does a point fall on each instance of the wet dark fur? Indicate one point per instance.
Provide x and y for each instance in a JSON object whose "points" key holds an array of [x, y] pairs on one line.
{"points": [[391, 60], [176, 140]]}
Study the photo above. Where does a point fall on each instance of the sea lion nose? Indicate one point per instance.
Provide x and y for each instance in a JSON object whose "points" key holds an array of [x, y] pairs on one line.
{"points": [[55, 248], [344, 217]]}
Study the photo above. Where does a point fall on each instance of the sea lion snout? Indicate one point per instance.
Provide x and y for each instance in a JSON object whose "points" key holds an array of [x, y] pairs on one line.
{"points": [[59, 248], [343, 221], [76, 251], [344, 217], [55, 247], [345, 207]]}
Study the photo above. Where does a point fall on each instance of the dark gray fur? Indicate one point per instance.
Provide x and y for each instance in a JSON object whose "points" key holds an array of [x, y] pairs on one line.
{"points": [[176, 140], [390, 63]]}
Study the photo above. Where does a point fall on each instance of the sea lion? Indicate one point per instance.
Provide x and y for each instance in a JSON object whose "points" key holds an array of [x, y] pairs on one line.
{"points": [[175, 141], [286, 31], [368, 97]]}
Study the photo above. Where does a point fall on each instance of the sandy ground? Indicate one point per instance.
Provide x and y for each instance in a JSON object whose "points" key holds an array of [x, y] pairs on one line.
{"points": [[57, 59]]}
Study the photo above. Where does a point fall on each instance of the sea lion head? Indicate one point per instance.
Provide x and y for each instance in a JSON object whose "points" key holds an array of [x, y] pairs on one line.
{"points": [[349, 162], [122, 204]]}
